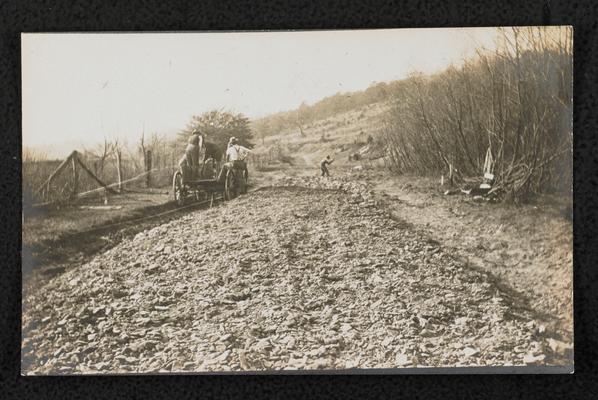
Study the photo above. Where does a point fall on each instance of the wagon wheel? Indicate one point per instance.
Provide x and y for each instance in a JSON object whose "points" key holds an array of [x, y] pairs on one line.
{"points": [[178, 188], [230, 188]]}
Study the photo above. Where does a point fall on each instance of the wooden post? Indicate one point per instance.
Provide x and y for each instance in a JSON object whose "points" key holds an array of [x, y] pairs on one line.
{"points": [[75, 177], [62, 165], [119, 170], [92, 176], [148, 168]]}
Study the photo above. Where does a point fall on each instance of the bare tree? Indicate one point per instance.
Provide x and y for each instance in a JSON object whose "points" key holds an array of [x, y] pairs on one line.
{"points": [[100, 154], [513, 105]]}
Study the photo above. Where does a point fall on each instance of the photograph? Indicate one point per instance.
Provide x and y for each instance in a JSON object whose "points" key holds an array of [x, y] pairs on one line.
{"points": [[386, 201]]}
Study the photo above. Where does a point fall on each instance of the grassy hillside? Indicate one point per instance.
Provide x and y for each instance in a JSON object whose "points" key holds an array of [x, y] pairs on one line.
{"points": [[506, 115], [339, 136]]}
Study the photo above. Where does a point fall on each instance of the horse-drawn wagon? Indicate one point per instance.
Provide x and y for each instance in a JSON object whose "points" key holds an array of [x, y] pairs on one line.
{"points": [[208, 180]]}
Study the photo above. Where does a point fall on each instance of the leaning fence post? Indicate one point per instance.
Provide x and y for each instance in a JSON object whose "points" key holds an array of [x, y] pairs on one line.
{"points": [[75, 176]]}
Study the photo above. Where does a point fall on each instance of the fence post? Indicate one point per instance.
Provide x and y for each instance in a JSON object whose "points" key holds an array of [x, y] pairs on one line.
{"points": [[119, 170], [148, 168]]}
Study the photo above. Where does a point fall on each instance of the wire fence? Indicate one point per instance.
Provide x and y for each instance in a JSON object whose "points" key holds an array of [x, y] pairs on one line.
{"points": [[44, 184]]}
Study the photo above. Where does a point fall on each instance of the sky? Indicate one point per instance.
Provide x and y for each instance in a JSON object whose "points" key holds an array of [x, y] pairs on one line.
{"points": [[81, 88]]}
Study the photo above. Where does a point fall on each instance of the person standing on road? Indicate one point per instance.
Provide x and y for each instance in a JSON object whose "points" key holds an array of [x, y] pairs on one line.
{"points": [[324, 165]]}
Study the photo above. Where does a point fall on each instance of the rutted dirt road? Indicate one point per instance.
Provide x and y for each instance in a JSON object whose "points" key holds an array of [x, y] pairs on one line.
{"points": [[286, 277]]}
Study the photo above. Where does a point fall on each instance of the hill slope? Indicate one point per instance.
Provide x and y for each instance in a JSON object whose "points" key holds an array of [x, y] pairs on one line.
{"points": [[339, 136]]}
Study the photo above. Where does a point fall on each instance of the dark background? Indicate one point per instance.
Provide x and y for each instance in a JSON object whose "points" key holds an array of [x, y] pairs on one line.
{"points": [[161, 15]]}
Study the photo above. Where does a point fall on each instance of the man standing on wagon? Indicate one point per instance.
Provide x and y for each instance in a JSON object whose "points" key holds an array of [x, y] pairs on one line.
{"points": [[192, 151]]}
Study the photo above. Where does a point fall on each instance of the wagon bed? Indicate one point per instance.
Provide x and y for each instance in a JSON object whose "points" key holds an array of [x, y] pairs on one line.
{"points": [[207, 184]]}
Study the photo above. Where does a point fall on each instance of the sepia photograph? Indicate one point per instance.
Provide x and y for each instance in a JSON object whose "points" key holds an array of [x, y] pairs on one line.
{"points": [[341, 201]]}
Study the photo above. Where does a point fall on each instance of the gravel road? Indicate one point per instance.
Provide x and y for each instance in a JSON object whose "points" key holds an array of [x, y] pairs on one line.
{"points": [[306, 274]]}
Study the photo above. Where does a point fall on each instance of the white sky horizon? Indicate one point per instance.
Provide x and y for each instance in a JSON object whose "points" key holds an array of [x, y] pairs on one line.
{"points": [[79, 88]]}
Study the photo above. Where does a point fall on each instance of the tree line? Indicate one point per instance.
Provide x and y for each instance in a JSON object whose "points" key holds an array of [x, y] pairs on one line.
{"points": [[305, 114]]}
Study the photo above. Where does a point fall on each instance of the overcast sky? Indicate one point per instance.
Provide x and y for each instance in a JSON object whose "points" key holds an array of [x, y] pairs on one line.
{"points": [[80, 88]]}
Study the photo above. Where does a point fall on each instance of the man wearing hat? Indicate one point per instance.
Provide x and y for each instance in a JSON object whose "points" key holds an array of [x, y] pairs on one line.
{"points": [[236, 154], [230, 142]]}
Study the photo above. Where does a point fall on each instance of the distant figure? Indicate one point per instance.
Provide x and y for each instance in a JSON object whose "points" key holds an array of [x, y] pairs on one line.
{"points": [[324, 165]]}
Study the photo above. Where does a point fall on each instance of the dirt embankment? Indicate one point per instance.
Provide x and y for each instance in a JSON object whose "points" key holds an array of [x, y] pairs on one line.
{"points": [[308, 274]]}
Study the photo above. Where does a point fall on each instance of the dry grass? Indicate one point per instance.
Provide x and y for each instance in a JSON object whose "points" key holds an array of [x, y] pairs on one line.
{"points": [[338, 136], [44, 226]]}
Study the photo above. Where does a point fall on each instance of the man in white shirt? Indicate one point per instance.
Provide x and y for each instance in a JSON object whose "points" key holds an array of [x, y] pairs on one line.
{"points": [[235, 155], [236, 152]]}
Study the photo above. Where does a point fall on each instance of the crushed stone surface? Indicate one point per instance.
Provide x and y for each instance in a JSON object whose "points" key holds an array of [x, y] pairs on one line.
{"points": [[306, 274]]}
